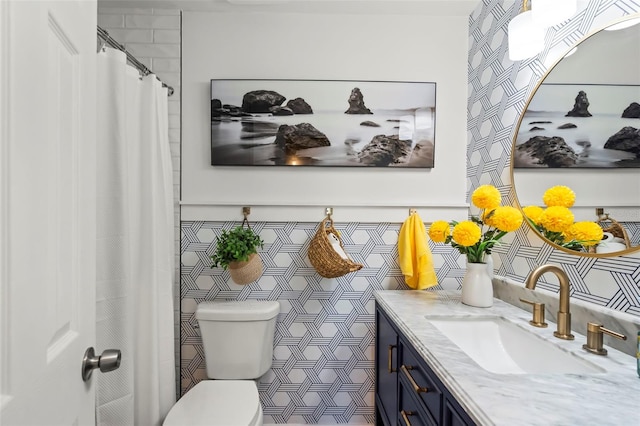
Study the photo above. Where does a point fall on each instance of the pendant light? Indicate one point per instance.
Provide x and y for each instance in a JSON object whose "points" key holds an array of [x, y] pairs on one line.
{"points": [[547, 13], [526, 38]]}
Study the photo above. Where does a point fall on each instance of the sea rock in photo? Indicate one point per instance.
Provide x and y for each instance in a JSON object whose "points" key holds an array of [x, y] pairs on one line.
{"points": [[384, 150], [222, 112], [300, 136], [216, 106], [547, 151], [280, 110], [369, 124], [299, 106], [356, 103], [259, 101], [536, 129], [567, 126], [580, 107], [627, 139], [539, 122], [632, 111]]}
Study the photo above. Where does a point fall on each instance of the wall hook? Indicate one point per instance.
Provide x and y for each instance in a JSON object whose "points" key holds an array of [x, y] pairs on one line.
{"points": [[412, 211], [246, 211], [328, 211]]}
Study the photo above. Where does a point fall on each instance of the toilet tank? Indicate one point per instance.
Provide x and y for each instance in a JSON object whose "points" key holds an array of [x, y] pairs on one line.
{"points": [[237, 337]]}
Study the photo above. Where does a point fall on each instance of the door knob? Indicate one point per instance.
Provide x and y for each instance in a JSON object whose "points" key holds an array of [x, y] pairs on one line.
{"points": [[108, 361]]}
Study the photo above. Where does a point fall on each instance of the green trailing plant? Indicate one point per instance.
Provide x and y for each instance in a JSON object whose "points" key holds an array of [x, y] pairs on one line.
{"points": [[235, 246]]}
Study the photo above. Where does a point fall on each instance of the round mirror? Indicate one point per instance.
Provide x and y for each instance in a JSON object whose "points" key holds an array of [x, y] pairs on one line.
{"points": [[581, 129]]}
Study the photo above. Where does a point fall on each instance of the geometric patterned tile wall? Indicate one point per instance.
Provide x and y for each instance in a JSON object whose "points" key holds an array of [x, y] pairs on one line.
{"points": [[498, 91], [323, 369]]}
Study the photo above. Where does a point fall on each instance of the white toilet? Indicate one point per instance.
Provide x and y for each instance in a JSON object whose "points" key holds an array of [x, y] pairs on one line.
{"points": [[238, 348]]}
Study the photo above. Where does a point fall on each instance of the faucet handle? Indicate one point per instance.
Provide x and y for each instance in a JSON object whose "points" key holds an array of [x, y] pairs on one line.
{"points": [[538, 313], [594, 338]]}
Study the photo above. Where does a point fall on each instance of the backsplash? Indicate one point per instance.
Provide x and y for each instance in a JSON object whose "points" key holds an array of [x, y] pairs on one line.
{"points": [[323, 369]]}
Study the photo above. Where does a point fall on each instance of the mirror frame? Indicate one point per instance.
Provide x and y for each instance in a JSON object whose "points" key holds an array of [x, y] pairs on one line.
{"points": [[516, 128]]}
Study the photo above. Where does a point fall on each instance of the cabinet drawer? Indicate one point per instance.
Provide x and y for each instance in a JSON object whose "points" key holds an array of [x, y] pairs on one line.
{"points": [[409, 412], [415, 375]]}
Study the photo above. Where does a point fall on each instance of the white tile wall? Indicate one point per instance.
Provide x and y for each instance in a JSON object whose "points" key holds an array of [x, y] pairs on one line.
{"points": [[153, 36]]}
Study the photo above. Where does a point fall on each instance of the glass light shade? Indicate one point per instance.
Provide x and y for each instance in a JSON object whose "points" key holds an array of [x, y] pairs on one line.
{"points": [[551, 12], [526, 39]]}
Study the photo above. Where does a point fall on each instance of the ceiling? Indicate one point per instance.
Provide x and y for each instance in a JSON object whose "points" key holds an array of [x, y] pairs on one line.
{"points": [[355, 7]]}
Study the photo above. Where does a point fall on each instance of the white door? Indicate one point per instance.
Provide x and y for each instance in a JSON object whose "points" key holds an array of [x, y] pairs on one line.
{"points": [[47, 216]]}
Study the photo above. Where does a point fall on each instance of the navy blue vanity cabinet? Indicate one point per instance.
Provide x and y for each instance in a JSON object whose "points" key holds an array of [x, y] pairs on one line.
{"points": [[408, 392], [386, 371]]}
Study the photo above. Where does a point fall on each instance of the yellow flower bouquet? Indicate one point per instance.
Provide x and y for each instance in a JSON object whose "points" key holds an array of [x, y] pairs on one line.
{"points": [[556, 221], [476, 237]]}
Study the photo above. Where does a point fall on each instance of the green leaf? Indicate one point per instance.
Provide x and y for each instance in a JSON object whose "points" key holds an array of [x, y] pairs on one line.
{"points": [[235, 245]]}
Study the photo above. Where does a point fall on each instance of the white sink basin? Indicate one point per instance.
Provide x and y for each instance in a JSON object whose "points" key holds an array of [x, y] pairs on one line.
{"points": [[500, 346]]}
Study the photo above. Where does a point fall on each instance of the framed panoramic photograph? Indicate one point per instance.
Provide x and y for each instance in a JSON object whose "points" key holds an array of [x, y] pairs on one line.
{"points": [[322, 123], [580, 126]]}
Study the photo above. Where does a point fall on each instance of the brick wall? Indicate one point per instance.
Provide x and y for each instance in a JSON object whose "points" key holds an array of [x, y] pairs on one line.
{"points": [[153, 36]]}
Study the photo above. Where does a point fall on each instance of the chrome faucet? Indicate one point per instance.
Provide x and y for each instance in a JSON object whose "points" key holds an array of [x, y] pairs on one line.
{"points": [[564, 314]]}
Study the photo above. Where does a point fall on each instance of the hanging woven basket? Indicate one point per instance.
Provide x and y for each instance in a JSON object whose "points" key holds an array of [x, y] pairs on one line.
{"points": [[244, 273], [324, 258], [615, 228]]}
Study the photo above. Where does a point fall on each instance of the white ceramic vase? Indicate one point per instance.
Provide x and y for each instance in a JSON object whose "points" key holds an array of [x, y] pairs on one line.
{"points": [[477, 289]]}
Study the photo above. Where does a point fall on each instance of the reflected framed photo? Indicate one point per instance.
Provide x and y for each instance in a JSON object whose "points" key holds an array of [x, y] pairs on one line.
{"points": [[337, 123], [580, 126]]}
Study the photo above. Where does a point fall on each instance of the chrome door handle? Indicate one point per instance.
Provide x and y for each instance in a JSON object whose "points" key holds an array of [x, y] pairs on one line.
{"points": [[108, 361]]}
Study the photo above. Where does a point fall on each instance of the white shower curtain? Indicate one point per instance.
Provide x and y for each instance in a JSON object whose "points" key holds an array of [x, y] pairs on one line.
{"points": [[134, 307]]}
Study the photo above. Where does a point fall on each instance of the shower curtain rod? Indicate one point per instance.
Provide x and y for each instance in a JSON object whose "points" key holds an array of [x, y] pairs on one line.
{"points": [[108, 40]]}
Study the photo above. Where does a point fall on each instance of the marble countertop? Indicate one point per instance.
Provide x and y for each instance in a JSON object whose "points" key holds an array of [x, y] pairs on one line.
{"points": [[609, 398]]}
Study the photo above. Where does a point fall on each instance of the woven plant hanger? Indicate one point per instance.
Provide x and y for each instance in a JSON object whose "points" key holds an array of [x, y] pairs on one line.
{"points": [[615, 228], [243, 273], [324, 258]]}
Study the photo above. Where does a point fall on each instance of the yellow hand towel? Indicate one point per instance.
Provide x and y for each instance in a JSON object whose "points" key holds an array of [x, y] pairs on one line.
{"points": [[414, 255]]}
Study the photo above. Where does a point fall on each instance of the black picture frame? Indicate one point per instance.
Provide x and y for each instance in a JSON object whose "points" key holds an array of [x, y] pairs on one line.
{"points": [[340, 123]]}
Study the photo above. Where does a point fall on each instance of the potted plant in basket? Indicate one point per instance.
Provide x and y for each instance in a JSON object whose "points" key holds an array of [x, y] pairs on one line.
{"points": [[237, 250]]}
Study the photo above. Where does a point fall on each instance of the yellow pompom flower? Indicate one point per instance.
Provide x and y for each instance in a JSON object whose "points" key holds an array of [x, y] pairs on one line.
{"points": [[556, 218], [486, 197], [439, 231], [559, 196], [533, 213], [587, 233], [506, 218], [466, 233]]}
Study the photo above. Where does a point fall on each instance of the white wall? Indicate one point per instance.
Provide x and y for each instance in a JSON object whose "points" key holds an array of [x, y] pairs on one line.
{"points": [[324, 47]]}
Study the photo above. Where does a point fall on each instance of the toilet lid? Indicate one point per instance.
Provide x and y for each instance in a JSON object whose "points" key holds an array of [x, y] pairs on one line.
{"points": [[217, 403]]}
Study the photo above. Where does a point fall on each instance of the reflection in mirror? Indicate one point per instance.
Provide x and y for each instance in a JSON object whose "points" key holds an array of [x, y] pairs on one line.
{"points": [[581, 130]]}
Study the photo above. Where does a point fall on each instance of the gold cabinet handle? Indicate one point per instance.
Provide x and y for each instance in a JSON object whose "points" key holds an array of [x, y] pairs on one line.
{"points": [[405, 415], [390, 359], [405, 369]]}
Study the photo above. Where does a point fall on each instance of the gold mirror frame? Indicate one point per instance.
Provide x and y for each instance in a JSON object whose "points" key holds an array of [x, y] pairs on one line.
{"points": [[514, 141]]}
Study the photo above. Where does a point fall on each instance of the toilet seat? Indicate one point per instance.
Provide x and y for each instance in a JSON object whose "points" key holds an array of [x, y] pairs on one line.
{"points": [[218, 403]]}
